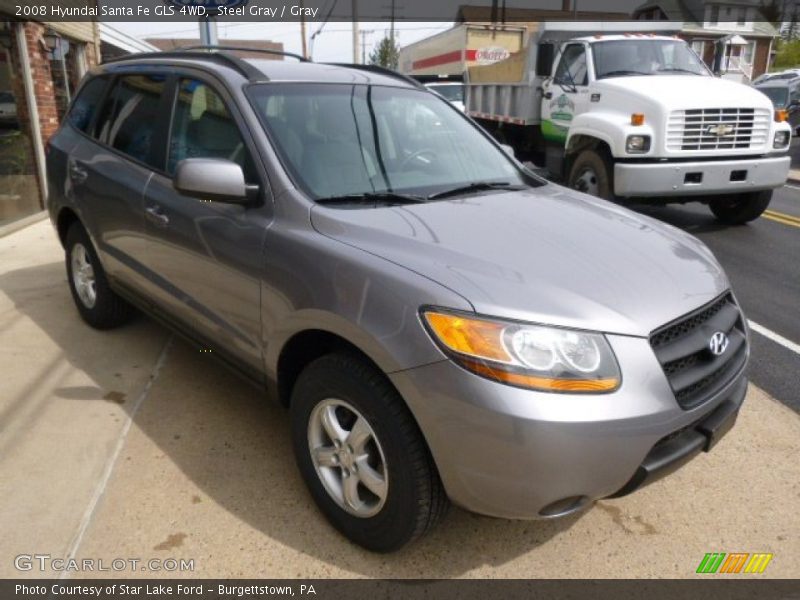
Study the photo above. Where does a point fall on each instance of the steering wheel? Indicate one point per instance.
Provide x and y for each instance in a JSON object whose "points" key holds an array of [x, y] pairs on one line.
{"points": [[415, 155]]}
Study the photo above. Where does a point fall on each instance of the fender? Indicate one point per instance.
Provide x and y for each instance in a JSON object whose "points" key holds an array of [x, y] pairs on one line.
{"points": [[609, 127]]}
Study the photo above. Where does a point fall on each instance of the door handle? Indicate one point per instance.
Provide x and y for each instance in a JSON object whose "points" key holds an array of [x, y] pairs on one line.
{"points": [[547, 95], [77, 173], [156, 217]]}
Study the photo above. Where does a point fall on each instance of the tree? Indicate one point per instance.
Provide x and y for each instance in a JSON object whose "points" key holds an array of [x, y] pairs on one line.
{"points": [[788, 54], [386, 54]]}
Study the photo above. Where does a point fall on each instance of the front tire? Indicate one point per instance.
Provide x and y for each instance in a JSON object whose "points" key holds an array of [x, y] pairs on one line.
{"points": [[592, 174], [740, 208], [362, 455], [97, 303]]}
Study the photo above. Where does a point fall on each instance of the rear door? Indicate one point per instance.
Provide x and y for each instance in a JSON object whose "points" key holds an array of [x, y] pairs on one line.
{"points": [[109, 170], [208, 255]]}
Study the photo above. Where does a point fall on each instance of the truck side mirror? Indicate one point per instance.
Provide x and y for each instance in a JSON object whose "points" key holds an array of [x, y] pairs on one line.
{"points": [[545, 54]]}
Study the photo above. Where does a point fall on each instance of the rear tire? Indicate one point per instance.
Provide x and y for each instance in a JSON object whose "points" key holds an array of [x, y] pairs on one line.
{"points": [[97, 303], [740, 208], [396, 494], [592, 174]]}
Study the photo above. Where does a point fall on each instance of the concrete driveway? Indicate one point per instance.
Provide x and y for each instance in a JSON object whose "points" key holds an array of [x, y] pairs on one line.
{"points": [[131, 445]]}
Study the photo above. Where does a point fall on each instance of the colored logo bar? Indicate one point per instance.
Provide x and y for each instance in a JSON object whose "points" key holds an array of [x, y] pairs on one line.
{"points": [[735, 562]]}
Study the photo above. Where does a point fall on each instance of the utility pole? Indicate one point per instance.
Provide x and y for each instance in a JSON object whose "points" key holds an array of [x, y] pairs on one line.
{"points": [[303, 30], [355, 31], [391, 30], [208, 32], [364, 33]]}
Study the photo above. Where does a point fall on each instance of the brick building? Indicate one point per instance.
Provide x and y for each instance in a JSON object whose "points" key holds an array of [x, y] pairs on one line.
{"points": [[42, 64]]}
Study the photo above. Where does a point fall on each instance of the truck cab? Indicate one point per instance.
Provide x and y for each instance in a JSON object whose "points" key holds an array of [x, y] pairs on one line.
{"points": [[640, 116], [627, 116]]}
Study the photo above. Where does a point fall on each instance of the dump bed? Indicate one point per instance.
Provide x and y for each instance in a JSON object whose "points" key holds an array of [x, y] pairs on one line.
{"points": [[449, 54]]}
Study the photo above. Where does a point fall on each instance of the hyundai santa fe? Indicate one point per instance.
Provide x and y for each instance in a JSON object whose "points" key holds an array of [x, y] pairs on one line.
{"points": [[442, 325]]}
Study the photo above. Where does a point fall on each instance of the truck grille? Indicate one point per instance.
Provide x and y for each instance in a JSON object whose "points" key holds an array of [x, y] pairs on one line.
{"points": [[718, 128], [682, 347]]}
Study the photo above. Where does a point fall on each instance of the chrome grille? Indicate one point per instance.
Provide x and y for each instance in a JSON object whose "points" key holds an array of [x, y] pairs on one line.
{"points": [[718, 129], [682, 348]]}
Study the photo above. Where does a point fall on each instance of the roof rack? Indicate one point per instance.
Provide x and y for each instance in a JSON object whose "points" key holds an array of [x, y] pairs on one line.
{"points": [[380, 70], [245, 49], [221, 53]]}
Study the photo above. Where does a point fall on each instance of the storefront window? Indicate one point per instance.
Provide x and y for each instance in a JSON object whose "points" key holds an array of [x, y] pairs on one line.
{"points": [[19, 188]]}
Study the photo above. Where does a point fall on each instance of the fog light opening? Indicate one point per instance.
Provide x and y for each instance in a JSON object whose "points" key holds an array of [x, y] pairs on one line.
{"points": [[565, 506]]}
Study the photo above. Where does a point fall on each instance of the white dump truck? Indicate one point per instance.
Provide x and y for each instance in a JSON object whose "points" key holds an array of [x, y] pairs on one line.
{"points": [[620, 110]]}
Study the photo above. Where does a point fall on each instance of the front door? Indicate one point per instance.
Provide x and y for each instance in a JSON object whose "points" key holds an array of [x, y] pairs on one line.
{"points": [[208, 255], [565, 95]]}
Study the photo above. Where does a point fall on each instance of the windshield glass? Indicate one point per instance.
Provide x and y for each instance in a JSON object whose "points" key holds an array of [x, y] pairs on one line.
{"points": [[449, 91], [778, 95], [645, 57], [341, 140]]}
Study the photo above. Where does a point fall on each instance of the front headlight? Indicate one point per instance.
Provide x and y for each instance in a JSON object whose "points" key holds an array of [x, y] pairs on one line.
{"points": [[781, 139], [531, 356], [637, 144]]}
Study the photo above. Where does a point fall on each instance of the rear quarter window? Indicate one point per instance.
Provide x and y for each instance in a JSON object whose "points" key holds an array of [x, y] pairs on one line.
{"points": [[85, 105]]}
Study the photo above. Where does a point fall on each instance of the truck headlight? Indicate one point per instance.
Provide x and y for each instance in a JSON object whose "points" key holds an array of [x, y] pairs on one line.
{"points": [[637, 144], [781, 139], [549, 359]]}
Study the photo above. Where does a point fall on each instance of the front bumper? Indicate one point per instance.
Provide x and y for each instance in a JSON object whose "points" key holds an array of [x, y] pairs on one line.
{"points": [[514, 453], [700, 177]]}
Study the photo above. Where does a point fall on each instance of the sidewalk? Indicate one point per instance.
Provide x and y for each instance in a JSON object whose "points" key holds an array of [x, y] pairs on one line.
{"points": [[124, 444]]}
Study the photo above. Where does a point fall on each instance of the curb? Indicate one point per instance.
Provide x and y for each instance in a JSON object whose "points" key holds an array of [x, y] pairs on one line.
{"points": [[22, 223]]}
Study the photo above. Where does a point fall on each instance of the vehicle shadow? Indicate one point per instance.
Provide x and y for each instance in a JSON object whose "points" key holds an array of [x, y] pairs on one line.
{"points": [[234, 447], [692, 218]]}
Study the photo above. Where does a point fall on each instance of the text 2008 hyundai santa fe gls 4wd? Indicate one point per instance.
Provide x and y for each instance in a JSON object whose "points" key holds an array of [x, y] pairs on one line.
{"points": [[440, 323]]}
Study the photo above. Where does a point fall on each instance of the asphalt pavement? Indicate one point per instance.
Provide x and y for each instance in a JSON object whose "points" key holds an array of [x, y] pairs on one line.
{"points": [[762, 260]]}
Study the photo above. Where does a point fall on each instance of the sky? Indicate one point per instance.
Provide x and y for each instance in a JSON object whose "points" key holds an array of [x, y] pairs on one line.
{"points": [[332, 45]]}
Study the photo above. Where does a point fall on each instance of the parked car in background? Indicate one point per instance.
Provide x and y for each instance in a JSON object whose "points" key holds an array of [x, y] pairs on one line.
{"points": [[452, 91], [439, 321], [785, 95], [787, 75], [8, 109]]}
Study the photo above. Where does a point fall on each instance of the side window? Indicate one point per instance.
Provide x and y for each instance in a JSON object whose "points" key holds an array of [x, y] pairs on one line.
{"points": [[572, 66], [202, 127], [85, 105], [128, 118]]}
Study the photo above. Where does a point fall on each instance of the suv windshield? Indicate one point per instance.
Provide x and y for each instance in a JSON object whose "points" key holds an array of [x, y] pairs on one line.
{"points": [[348, 140], [620, 58]]}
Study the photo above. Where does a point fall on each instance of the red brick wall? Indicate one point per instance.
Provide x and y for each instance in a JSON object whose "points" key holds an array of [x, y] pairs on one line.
{"points": [[42, 79]]}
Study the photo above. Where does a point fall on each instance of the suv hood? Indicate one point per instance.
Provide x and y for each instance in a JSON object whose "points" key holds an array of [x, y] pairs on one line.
{"points": [[701, 92], [547, 255]]}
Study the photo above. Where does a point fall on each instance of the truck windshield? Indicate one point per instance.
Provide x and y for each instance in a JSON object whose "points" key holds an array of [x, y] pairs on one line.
{"points": [[340, 140], [620, 58]]}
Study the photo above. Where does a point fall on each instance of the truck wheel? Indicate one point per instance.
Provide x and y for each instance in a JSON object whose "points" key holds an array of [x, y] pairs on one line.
{"points": [[97, 304], [591, 174], [740, 208], [362, 455]]}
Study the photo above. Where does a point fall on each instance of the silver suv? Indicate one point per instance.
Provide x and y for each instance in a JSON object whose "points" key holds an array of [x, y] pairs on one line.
{"points": [[440, 322]]}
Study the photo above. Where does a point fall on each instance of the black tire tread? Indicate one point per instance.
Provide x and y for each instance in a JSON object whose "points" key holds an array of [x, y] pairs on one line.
{"points": [[110, 310], [433, 503]]}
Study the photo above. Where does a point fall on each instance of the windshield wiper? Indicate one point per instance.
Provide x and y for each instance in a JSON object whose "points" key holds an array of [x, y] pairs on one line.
{"points": [[476, 186], [676, 70], [622, 73], [373, 198]]}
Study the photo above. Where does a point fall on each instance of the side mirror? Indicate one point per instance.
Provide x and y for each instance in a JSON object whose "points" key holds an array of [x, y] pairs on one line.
{"points": [[508, 150], [213, 179]]}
